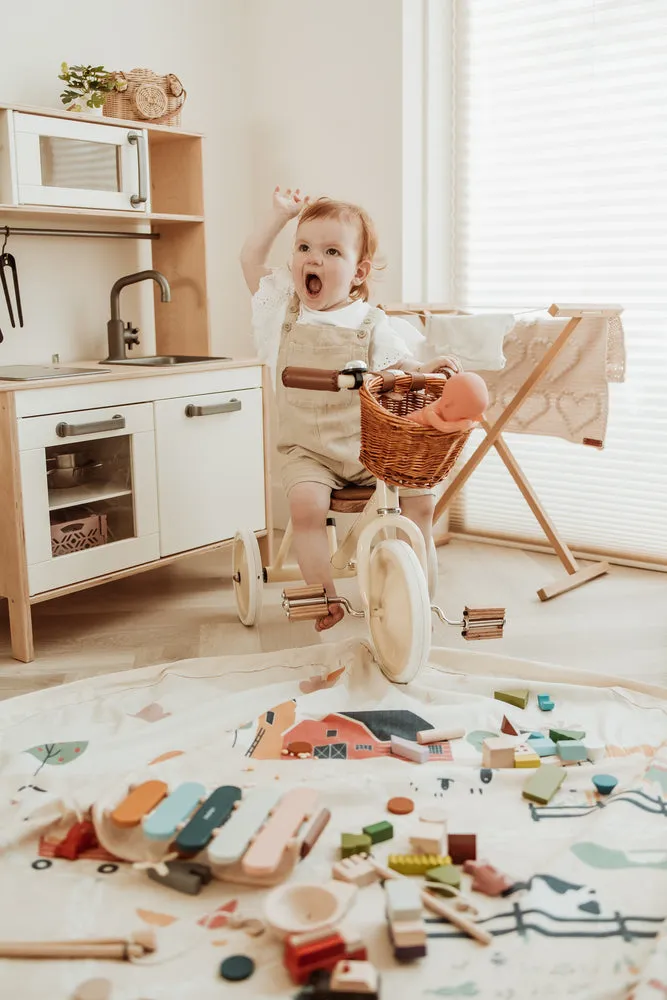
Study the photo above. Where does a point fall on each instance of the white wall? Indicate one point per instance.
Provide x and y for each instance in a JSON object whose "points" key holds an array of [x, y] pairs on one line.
{"points": [[65, 282], [324, 109]]}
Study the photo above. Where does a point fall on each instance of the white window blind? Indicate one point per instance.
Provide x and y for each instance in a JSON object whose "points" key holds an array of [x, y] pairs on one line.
{"points": [[560, 195]]}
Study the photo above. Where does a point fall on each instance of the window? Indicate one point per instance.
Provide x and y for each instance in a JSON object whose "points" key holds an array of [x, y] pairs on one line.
{"points": [[559, 139], [363, 746], [332, 732], [270, 716]]}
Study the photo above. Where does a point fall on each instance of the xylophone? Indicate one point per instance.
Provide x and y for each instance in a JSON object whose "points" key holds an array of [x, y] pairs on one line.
{"points": [[253, 837]]}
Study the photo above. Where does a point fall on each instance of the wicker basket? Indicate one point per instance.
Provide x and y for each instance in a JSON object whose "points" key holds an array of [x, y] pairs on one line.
{"points": [[74, 535], [396, 450], [148, 97]]}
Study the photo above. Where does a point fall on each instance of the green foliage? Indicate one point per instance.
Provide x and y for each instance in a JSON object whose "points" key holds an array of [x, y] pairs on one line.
{"points": [[87, 86]]}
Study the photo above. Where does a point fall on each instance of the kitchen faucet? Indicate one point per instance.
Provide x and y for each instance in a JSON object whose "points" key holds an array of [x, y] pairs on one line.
{"points": [[118, 334]]}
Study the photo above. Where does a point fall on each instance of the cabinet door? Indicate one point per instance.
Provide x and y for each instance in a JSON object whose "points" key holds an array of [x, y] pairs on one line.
{"points": [[89, 493], [210, 466]]}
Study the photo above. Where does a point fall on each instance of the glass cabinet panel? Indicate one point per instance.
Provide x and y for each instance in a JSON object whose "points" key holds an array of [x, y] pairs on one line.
{"points": [[91, 499]]}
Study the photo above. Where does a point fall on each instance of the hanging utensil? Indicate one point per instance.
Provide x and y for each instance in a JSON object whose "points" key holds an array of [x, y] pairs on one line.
{"points": [[8, 262]]}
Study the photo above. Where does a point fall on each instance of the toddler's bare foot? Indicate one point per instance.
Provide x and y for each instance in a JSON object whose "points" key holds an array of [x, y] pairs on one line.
{"points": [[335, 615]]}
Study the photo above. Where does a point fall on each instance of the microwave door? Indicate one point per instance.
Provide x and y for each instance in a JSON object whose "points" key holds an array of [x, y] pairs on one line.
{"points": [[82, 165]]}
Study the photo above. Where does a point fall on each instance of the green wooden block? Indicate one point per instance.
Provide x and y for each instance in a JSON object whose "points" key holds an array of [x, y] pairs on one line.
{"points": [[518, 697], [379, 831], [354, 843], [571, 750], [543, 783], [448, 876], [566, 734]]}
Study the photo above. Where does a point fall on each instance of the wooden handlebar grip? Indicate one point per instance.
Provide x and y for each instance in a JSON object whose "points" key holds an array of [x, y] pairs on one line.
{"points": [[311, 378]]}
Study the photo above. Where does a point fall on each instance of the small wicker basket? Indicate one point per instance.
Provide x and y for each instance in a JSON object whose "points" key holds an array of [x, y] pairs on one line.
{"points": [[148, 97], [396, 450]]}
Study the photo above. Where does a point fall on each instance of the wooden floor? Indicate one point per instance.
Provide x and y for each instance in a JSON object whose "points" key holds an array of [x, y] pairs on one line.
{"points": [[614, 625]]}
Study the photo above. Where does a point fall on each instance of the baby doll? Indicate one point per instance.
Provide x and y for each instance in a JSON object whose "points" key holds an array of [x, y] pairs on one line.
{"points": [[462, 403]]}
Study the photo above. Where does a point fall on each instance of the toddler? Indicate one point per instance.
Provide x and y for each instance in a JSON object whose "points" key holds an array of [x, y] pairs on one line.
{"points": [[316, 314]]}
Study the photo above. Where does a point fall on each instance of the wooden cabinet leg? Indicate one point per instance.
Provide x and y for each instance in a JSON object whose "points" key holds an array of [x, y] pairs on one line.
{"points": [[20, 628]]}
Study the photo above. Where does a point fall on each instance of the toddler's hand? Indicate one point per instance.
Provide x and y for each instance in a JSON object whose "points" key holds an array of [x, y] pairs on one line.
{"points": [[436, 364], [289, 203]]}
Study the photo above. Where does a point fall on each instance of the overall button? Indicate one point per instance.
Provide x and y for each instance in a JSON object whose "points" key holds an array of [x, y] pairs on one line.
{"points": [[361, 335]]}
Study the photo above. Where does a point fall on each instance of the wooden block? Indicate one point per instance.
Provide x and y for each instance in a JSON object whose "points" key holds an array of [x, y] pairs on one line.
{"points": [[408, 933], [439, 735], [141, 800], [356, 870], [507, 727], [595, 751], [379, 832], [409, 750], [566, 734], [461, 847], [527, 759], [545, 703], [543, 784], [498, 751], [543, 747], [356, 978], [403, 899], [605, 783], [447, 875], [518, 697], [571, 750], [429, 838], [184, 876], [416, 864], [354, 843]]}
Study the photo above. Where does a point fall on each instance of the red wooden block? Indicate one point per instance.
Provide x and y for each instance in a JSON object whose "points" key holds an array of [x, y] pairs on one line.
{"points": [[508, 728], [81, 837], [462, 847]]}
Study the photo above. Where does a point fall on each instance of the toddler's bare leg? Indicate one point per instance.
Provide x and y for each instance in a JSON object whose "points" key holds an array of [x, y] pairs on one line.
{"points": [[420, 510], [309, 506]]}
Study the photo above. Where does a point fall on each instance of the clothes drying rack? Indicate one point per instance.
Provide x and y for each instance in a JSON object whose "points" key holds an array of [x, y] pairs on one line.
{"points": [[493, 438]]}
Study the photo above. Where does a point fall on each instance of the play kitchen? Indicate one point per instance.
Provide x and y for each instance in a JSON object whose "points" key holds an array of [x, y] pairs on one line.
{"points": [[119, 463]]}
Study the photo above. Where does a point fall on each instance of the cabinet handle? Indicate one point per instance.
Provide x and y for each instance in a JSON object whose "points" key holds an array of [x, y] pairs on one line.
{"points": [[116, 423], [230, 406], [139, 139]]}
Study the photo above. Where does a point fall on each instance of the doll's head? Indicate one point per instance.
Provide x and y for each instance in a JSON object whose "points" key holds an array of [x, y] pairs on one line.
{"points": [[464, 397], [334, 248]]}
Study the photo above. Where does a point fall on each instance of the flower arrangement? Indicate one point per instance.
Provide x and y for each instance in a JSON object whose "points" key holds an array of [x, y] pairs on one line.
{"points": [[86, 87]]}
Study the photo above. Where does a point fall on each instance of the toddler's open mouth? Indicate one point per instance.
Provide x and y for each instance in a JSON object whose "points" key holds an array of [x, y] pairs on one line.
{"points": [[313, 284]]}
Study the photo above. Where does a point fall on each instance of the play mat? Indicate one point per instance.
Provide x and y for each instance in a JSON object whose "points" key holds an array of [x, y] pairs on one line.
{"points": [[585, 918]]}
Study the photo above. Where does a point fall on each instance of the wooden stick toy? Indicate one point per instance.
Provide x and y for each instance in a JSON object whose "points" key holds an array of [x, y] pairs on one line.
{"points": [[124, 949]]}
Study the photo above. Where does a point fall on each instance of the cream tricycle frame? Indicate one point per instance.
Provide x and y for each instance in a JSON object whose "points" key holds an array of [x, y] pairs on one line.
{"points": [[396, 577]]}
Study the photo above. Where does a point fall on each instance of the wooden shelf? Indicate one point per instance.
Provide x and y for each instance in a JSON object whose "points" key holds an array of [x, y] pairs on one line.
{"points": [[48, 211], [160, 131], [91, 493]]}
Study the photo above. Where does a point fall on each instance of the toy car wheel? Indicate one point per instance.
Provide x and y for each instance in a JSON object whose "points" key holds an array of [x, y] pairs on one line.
{"points": [[247, 577], [400, 611]]}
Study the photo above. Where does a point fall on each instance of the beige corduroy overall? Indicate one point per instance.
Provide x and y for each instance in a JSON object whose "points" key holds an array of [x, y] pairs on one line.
{"points": [[319, 432]]}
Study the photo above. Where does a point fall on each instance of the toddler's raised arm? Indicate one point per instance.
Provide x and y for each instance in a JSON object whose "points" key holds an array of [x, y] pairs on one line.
{"points": [[256, 248]]}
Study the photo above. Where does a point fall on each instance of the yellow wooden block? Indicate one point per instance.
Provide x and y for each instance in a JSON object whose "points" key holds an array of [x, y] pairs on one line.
{"points": [[416, 864], [527, 760]]}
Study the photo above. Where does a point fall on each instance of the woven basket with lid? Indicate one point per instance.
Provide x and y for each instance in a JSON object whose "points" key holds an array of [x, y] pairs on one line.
{"points": [[148, 97], [399, 451]]}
